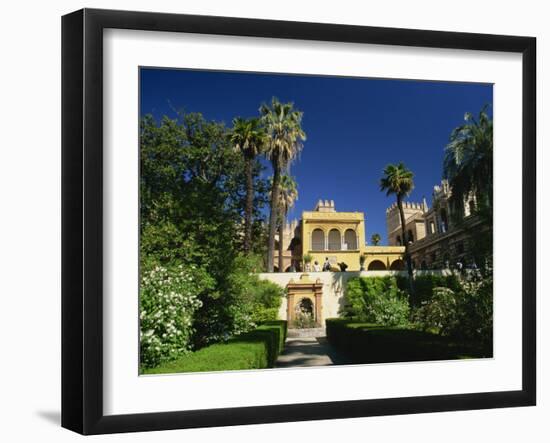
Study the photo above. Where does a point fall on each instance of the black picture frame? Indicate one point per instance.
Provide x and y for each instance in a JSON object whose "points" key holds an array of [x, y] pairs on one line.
{"points": [[82, 218]]}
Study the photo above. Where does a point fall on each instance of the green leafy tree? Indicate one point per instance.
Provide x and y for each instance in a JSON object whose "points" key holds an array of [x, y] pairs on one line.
{"points": [[193, 199], [283, 125], [468, 162], [248, 138], [375, 239], [398, 180]]}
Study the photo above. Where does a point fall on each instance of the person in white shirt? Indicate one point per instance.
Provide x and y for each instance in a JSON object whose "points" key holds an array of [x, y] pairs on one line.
{"points": [[316, 267]]}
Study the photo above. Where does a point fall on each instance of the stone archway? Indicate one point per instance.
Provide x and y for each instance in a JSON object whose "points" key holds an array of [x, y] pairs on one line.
{"points": [[302, 290]]}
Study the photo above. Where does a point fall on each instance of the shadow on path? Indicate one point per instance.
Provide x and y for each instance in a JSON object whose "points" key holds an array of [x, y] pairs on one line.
{"points": [[309, 351]]}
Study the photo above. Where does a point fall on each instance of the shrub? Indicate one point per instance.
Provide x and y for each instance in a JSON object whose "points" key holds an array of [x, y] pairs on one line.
{"points": [[169, 298], [256, 349], [476, 310], [370, 343], [267, 299], [236, 305], [304, 320], [376, 300], [439, 314], [424, 286], [466, 313]]}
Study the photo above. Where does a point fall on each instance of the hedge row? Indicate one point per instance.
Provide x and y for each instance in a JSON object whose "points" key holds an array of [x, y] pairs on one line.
{"points": [[256, 349], [370, 343]]}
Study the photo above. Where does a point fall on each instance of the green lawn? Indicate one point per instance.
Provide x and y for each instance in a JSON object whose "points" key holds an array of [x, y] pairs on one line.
{"points": [[257, 349], [371, 343]]}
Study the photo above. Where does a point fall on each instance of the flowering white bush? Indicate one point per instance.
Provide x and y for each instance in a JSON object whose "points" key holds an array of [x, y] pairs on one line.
{"points": [[168, 301]]}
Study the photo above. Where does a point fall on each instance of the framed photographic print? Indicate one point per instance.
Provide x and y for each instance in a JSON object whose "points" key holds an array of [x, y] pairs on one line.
{"points": [[269, 221]]}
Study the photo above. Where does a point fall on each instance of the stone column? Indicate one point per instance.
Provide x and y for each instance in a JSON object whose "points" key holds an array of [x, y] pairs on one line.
{"points": [[290, 308], [318, 308]]}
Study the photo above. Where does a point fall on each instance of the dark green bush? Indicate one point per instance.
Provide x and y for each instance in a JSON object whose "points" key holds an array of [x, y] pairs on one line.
{"points": [[424, 286], [440, 314], [375, 300], [465, 313], [476, 313], [238, 306], [257, 349], [370, 343]]}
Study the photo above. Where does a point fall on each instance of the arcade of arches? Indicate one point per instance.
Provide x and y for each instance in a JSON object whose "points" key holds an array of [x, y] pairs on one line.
{"points": [[339, 237]]}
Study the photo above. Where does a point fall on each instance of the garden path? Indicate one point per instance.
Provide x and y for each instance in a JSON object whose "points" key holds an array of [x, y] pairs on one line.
{"points": [[309, 351]]}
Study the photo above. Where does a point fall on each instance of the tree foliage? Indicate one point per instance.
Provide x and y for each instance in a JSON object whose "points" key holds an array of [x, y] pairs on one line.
{"points": [[398, 180], [468, 162], [192, 205], [283, 125]]}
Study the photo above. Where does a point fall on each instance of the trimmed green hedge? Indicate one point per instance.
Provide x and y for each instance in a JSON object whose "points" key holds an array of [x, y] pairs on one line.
{"points": [[371, 343], [256, 349]]}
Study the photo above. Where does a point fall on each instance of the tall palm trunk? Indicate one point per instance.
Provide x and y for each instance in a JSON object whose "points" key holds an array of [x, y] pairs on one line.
{"points": [[248, 206], [405, 242], [281, 232], [273, 216]]}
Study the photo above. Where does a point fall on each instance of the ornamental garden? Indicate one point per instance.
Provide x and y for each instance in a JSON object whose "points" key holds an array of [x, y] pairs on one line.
{"points": [[227, 282]]}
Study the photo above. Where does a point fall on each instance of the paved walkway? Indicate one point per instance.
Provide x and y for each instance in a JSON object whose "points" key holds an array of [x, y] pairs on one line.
{"points": [[309, 351]]}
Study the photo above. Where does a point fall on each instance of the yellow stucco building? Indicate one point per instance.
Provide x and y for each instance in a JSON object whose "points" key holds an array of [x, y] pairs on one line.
{"points": [[339, 237]]}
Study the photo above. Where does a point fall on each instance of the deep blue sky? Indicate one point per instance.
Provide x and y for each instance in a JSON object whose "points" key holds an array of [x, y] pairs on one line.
{"points": [[354, 127]]}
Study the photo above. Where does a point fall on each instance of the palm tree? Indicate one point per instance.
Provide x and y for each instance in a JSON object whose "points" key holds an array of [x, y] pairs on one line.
{"points": [[398, 180], [288, 194], [375, 239], [249, 138], [285, 136], [468, 162]]}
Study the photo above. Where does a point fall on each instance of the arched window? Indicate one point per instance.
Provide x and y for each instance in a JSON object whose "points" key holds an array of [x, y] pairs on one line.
{"points": [[410, 236], [377, 265], [318, 240], [444, 220], [305, 307], [397, 265], [398, 240], [350, 239], [334, 240]]}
